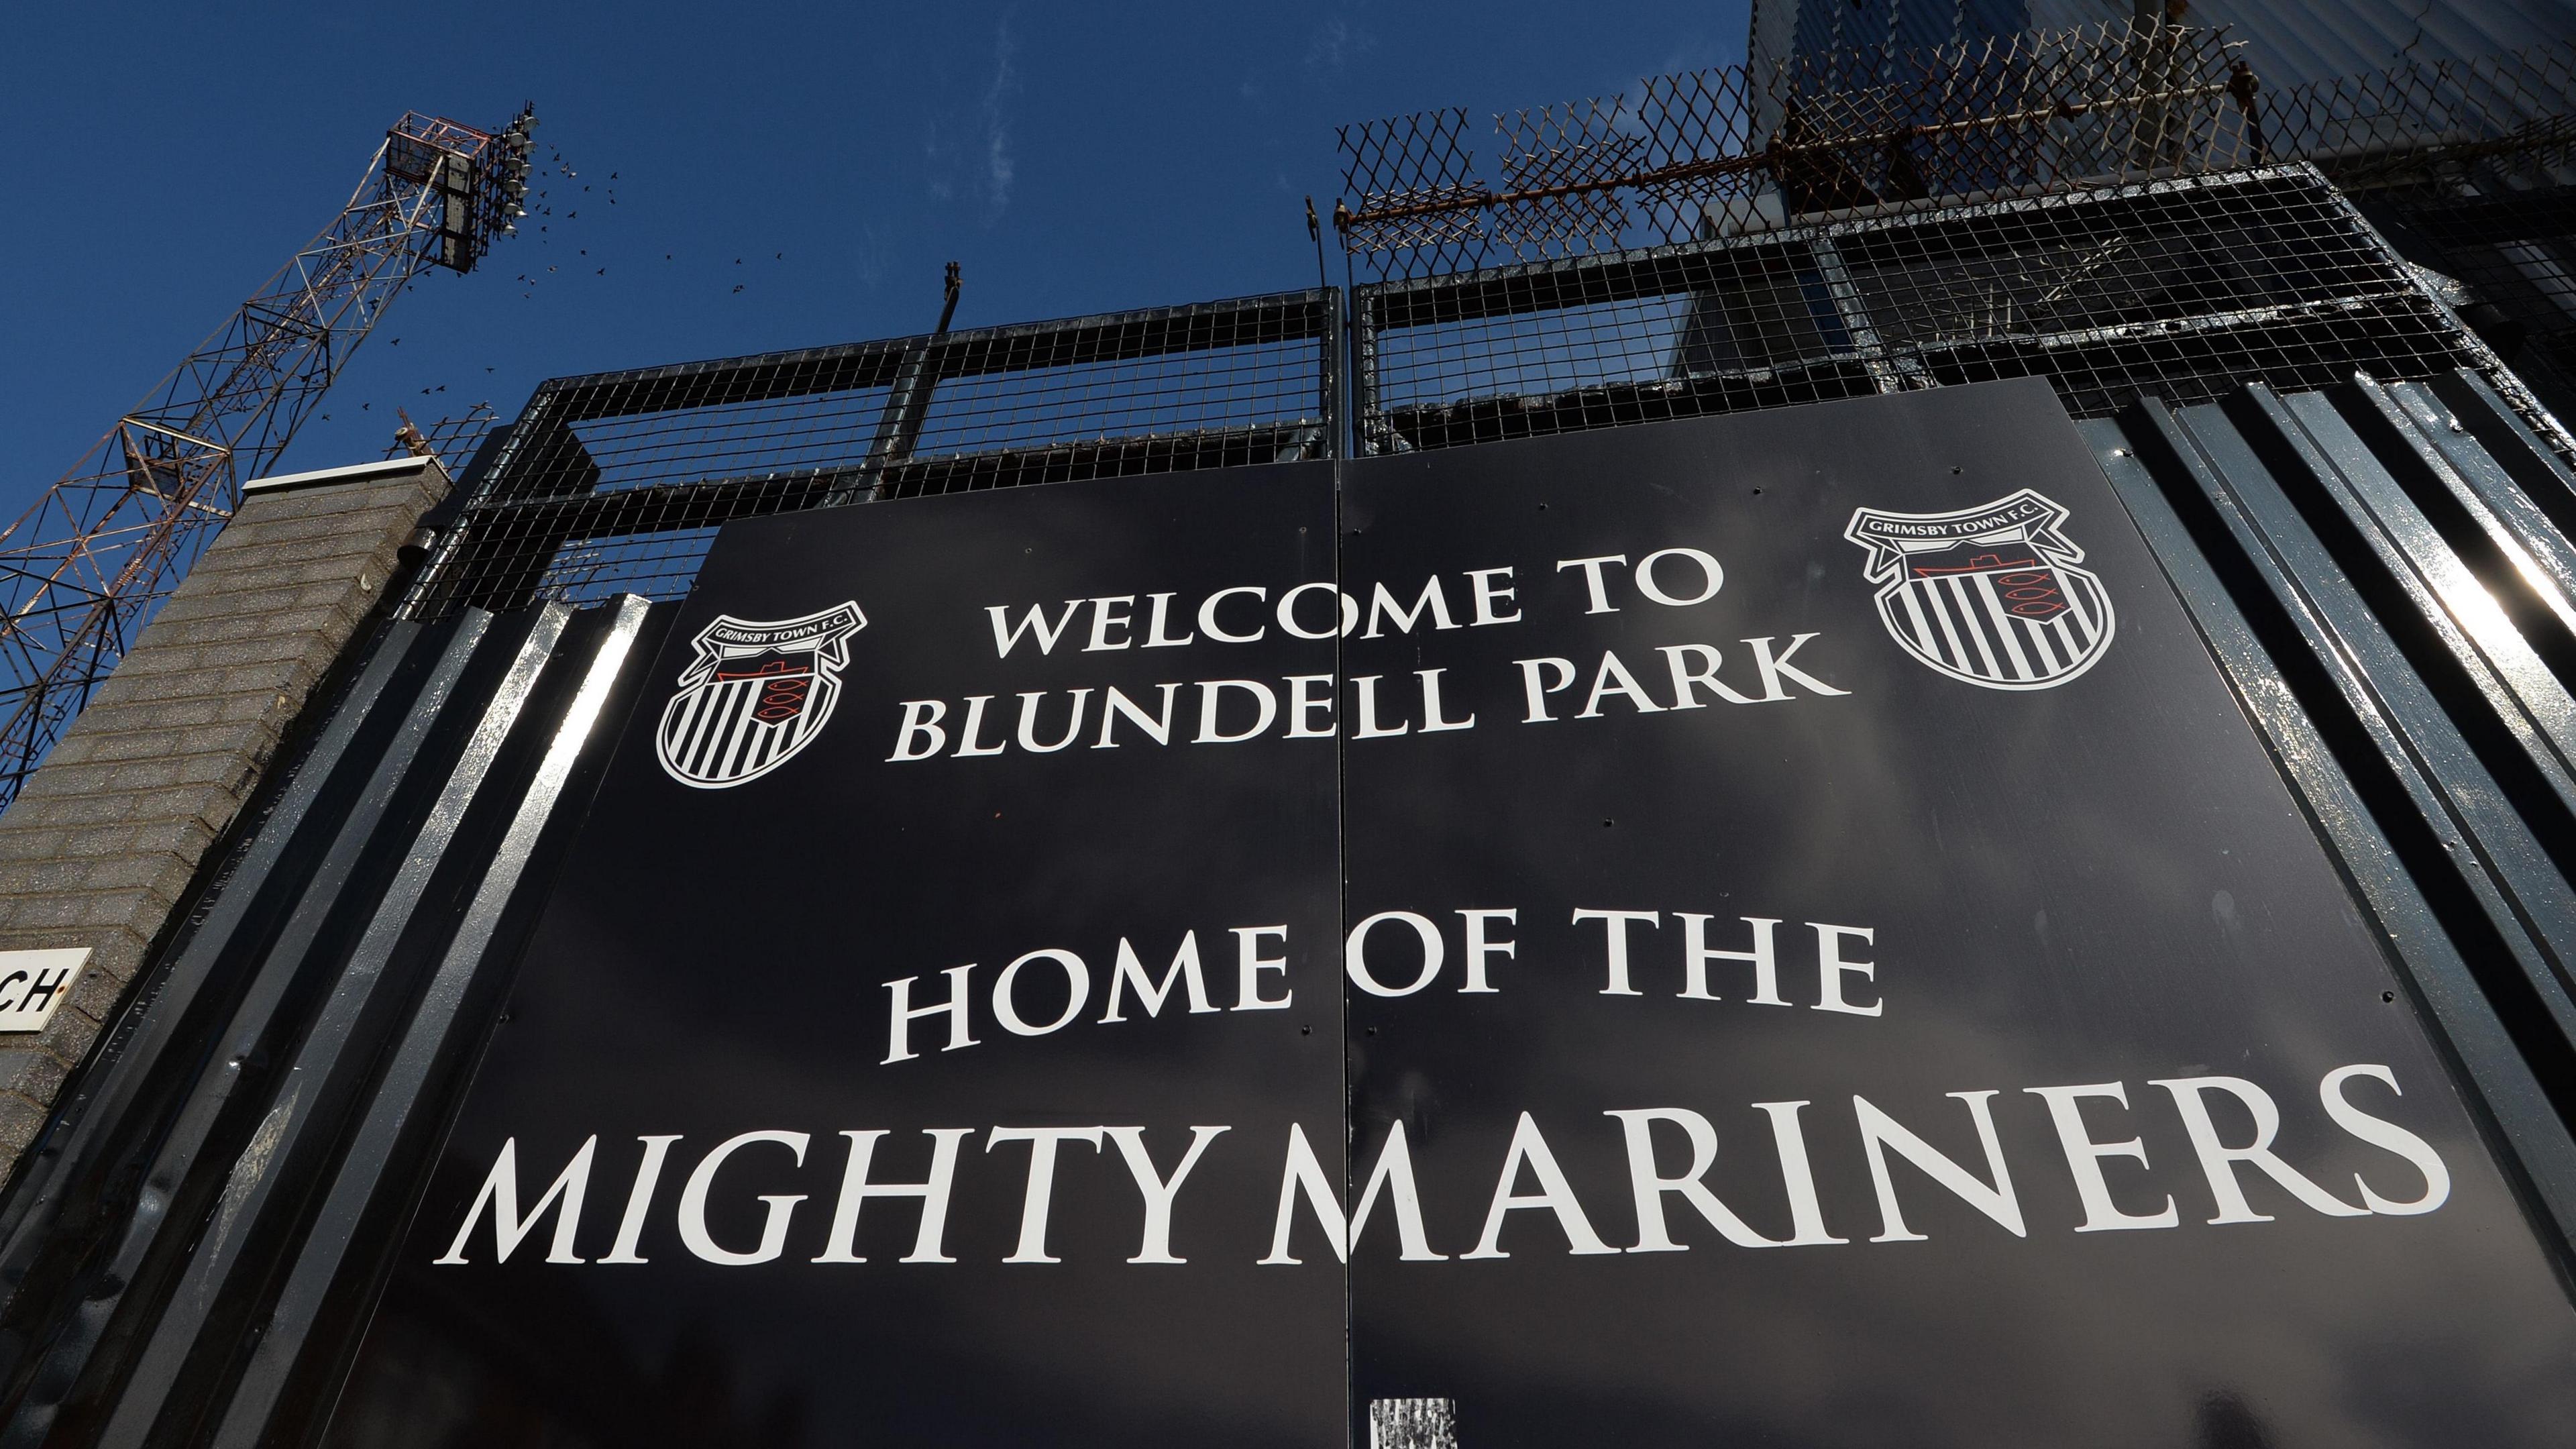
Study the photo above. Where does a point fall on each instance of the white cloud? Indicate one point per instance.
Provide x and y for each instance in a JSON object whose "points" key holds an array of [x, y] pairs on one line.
{"points": [[969, 154], [1336, 43], [999, 166], [868, 257]]}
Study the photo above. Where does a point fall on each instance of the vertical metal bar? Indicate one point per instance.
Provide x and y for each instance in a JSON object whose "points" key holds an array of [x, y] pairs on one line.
{"points": [[433, 570], [2480, 356], [424, 1045], [138, 1038], [2461, 608], [308, 1098], [2525, 1129], [2525, 898], [1886, 374], [1328, 351], [175, 1159], [2495, 465], [899, 426], [1364, 379]]}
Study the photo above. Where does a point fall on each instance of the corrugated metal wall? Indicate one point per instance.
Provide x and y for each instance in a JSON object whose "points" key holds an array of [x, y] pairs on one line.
{"points": [[184, 1249], [2386, 574]]}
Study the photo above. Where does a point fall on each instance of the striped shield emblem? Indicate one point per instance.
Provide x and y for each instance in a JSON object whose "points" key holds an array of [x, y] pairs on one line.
{"points": [[1991, 595], [753, 694]]}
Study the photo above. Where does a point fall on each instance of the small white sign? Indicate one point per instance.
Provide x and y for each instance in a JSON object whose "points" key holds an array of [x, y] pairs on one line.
{"points": [[33, 983]]}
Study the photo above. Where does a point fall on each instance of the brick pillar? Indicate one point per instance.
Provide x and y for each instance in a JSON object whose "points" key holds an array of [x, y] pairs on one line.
{"points": [[106, 836]]}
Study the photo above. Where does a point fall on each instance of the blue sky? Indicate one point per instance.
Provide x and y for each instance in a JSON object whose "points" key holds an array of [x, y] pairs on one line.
{"points": [[1073, 158]]}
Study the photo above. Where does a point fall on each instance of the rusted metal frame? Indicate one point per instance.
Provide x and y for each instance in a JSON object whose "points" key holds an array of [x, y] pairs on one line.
{"points": [[37, 604]]}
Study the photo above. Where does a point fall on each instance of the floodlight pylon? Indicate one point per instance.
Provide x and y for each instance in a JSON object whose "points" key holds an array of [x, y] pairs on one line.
{"points": [[84, 569]]}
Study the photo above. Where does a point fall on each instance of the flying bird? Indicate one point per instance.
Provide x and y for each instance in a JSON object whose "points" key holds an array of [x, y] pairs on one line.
{"points": [[737, 286]]}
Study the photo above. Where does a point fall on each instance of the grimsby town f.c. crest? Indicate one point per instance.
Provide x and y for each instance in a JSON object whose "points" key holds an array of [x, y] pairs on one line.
{"points": [[753, 694], [1991, 595]]}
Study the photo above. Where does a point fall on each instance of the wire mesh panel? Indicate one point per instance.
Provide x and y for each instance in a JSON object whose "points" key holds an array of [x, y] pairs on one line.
{"points": [[2512, 252], [1737, 149], [617, 483], [2188, 287], [2109, 208]]}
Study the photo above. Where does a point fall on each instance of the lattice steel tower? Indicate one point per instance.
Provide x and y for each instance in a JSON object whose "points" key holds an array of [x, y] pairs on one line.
{"points": [[82, 571]]}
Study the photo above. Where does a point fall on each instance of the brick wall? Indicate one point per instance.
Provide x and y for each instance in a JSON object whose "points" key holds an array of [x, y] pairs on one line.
{"points": [[105, 837]]}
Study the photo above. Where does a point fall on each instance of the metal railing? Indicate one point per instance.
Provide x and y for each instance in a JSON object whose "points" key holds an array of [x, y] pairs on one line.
{"points": [[616, 483]]}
